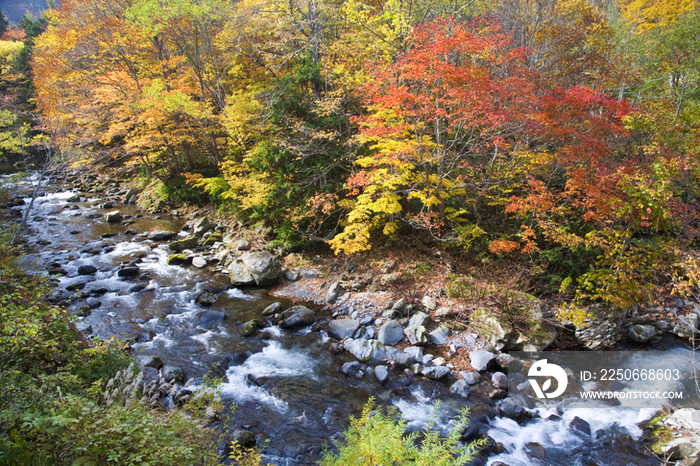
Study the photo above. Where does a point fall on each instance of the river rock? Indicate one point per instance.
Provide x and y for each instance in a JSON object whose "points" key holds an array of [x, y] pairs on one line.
{"points": [[461, 388], [271, 309], [201, 226], [263, 266], [161, 235], [206, 299], [399, 357], [366, 350], [390, 333], [309, 274], [251, 327], [144, 362], [480, 359], [684, 448], [128, 271], [641, 333], [490, 328], [243, 245], [429, 303], [536, 451], [381, 374], [179, 259], [415, 353], [343, 328], [131, 195], [440, 335], [470, 377], [215, 237], [182, 244], [350, 368], [172, 374], [499, 380], [419, 319], [209, 317], [297, 316], [93, 303], [87, 270], [416, 334], [113, 217], [334, 291], [199, 262], [435, 372], [291, 275], [239, 275], [581, 425]]}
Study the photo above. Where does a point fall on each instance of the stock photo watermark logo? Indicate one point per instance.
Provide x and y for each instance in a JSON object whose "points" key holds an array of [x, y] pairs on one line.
{"points": [[614, 379], [543, 369]]}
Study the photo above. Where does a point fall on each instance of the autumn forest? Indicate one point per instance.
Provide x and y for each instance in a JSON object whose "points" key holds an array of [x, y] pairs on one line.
{"points": [[558, 133]]}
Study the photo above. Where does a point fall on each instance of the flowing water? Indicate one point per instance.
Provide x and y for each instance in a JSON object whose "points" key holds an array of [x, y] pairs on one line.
{"points": [[285, 385]]}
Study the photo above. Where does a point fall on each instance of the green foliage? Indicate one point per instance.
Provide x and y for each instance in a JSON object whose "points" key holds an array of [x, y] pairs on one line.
{"points": [[78, 431], [378, 439]]}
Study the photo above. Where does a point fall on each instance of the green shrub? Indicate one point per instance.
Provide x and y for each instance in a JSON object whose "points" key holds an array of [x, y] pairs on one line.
{"points": [[77, 431], [378, 439]]}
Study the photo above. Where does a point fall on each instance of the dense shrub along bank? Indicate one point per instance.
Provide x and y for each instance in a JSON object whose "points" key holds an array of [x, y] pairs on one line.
{"points": [[51, 383]]}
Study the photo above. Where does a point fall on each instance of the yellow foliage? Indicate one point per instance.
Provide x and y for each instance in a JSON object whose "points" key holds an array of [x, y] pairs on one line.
{"points": [[649, 14], [570, 312]]}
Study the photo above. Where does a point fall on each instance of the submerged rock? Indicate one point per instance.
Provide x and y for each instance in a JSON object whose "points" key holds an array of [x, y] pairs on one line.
{"points": [[209, 317], [251, 327], [271, 309], [113, 217]]}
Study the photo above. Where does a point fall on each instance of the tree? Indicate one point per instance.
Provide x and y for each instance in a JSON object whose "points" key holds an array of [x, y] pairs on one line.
{"points": [[443, 132]]}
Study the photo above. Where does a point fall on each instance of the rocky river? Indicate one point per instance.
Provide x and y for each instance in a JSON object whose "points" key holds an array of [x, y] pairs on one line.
{"points": [[294, 383]]}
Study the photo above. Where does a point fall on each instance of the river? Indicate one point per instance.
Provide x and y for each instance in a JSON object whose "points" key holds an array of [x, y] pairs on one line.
{"points": [[285, 385]]}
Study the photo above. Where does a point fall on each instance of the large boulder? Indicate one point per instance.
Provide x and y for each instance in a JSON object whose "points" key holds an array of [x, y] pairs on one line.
{"points": [[239, 274], [343, 328], [602, 326], [297, 316], [263, 266], [492, 328]]}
